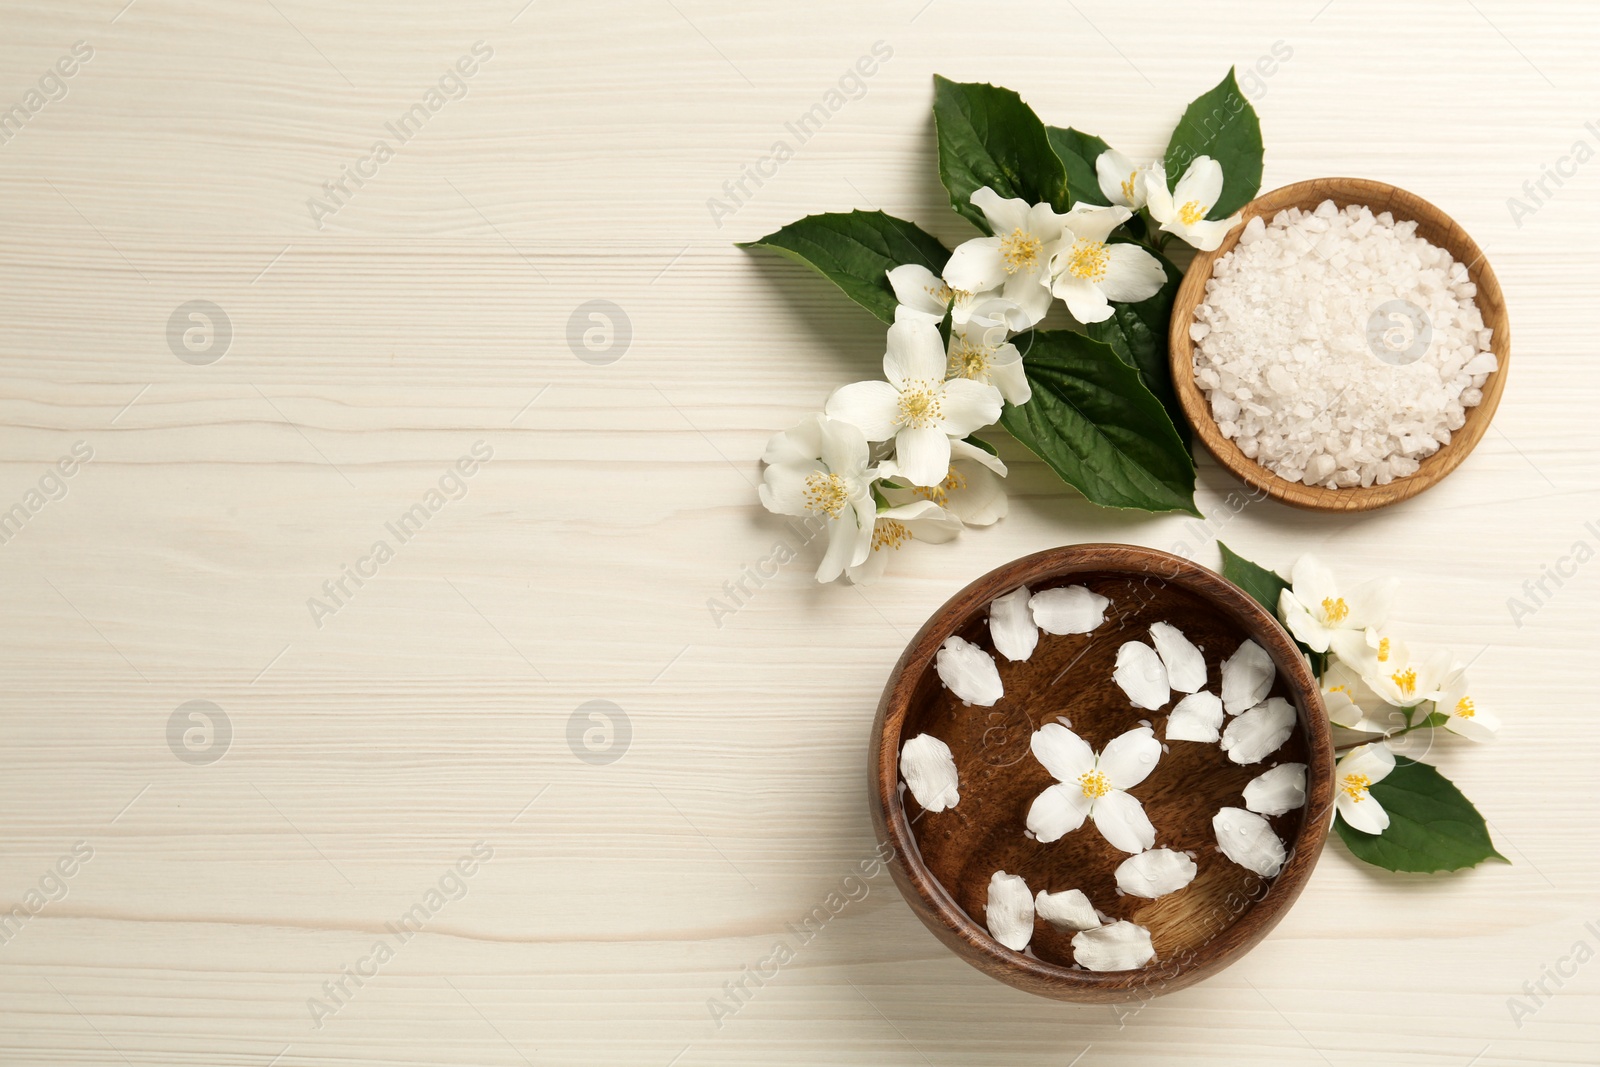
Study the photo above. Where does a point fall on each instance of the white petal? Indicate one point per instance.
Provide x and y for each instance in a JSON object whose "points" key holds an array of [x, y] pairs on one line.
{"points": [[1247, 677], [918, 288], [1132, 274], [1197, 717], [914, 353], [1276, 791], [976, 266], [1068, 610], [1201, 183], [1111, 169], [1011, 625], [1007, 375], [960, 449], [1064, 754], [848, 544], [1009, 911], [930, 772], [1129, 758], [1207, 235], [1259, 732], [1003, 214], [1186, 666], [1362, 811], [1084, 299], [1155, 873], [1121, 820], [1158, 199], [1140, 674], [922, 455], [1091, 222], [1247, 839], [968, 406], [873, 407], [1069, 910], [1121, 946], [1057, 812], [969, 672], [1372, 762]]}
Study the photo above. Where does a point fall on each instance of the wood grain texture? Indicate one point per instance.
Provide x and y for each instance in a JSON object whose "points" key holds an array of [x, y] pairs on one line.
{"points": [[1433, 226], [369, 754]]}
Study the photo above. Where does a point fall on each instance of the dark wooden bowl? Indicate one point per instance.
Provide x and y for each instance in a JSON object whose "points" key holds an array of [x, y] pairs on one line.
{"points": [[943, 860], [1434, 226]]}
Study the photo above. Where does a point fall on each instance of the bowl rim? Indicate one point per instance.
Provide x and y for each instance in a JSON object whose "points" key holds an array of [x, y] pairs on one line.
{"points": [[969, 938], [1442, 231]]}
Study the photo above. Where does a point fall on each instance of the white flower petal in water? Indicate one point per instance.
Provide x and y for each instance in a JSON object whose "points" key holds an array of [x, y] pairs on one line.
{"points": [[1064, 754], [1070, 609], [1121, 820], [1094, 787], [1259, 732], [1129, 757], [1197, 717], [1119, 946], [1009, 911], [969, 672], [1141, 675], [1069, 910], [1011, 625], [1057, 812], [1186, 665], [1247, 677], [1247, 839], [1276, 791], [1353, 776], [1155, 873], [930, 772]]}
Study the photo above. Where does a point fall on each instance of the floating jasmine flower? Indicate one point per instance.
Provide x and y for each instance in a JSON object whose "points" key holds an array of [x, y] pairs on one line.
{"points": [[1259, 732], [1069, 910], [1183, 210], [917, 407], [1186, 666], [1013, 260], [1353, 776], [969, 672], [1461, 711], [1155, 873], [1247, 677], [1314, 609], [930, 772], [1071, 609], [1121, 179], [820, 468], [1247, 839], [1094, 787], [1276, 791], [1141, 676], [1086, 272], [922, 292], [896, 527], [1119, 946], [1008, 911], [1197, 717], [1011, 625]]}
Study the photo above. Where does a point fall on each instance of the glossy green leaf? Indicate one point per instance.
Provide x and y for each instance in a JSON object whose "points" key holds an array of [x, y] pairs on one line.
{"points": [[1078, 151], [1432, 826], [1260, 583], [988, 137], [1138, 334], [1220, 124]]}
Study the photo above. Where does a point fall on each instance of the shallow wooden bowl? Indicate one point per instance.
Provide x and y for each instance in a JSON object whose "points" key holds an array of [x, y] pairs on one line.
{"points": [[942, 861], [1434, 226]]}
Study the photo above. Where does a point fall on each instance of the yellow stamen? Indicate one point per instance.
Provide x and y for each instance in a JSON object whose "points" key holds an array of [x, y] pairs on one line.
{"points": [[1383, 650], [1465, 708], [889, 534], [1192, 212], [1405, 681], [940, 494], [920, 408], [1128, 184], [943, 293], [826, 493], [1335, 610], [1355, 786], [1345, 689], [1095, 784], [968, 360], [1020, 251], [1088, 260]]}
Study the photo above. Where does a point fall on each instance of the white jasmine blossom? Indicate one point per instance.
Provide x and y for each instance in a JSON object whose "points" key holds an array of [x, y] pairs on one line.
{"points": [[1094, 787], [917, 407], [1155, 873], [896, 527], [1353, 776], [820, 468], [1119, 946], [1461, 711], [1013, 261], [1314, 609], [1352, 704], [1069, 910], [1186, 665], [983, 354], [1141, 675], [1121, 179], [1248, 840], [1008, 911], [1259, 732], [1011, 625], [1197, 717], [1071, 609], [1087, 272], [1247, 677], [969, 672], [971, 491], [1276, 791], [930, 772], [1183, 210], [1388, 666], [922, 292]]}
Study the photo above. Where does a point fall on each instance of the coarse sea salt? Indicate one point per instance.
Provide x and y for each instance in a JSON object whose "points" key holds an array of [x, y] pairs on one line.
{"points": [[1338, 348]]}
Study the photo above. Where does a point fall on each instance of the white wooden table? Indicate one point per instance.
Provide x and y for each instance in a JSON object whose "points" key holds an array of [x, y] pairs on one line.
{"points": [[217, 908]]}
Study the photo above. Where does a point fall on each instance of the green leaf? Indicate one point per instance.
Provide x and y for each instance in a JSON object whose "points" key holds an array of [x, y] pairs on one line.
{"points": [[1260, 583], [855, 250], [1097, 426], [988, 136], [1220, 124], [1432, 826], [1138, 335], [1078, 151], [980, 443]]}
